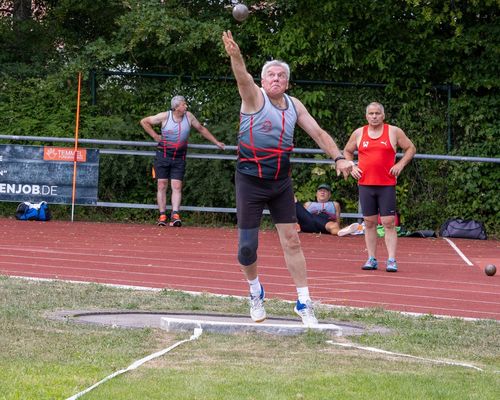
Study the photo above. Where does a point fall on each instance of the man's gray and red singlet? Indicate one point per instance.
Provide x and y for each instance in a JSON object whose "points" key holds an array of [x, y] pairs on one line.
{"points": [[174, 137], [265, 140]]}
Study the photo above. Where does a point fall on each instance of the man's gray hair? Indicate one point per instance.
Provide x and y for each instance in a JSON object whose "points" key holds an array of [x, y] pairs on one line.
{"points": [[376, 104], [275, 63], [176, 101]]}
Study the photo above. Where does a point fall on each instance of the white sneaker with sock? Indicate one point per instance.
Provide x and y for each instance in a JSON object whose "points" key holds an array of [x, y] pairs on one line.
{"points": [[306, 312], [257, 310]]}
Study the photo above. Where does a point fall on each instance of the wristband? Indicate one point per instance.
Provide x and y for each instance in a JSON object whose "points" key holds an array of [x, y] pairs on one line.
{"points": [[339, 158]]}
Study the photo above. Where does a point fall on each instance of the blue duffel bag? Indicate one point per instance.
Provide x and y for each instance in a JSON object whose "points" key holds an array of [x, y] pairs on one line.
{"points": [[27, 211]]}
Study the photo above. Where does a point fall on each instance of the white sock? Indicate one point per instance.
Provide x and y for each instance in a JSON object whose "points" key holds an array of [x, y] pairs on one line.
{"points": [[255, 287], [303, 293]]}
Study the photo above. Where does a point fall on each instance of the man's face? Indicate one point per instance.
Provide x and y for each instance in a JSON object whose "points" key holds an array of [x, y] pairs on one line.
{"points": [[323, 195], [374, 115], [182, 107], [275, 82]]}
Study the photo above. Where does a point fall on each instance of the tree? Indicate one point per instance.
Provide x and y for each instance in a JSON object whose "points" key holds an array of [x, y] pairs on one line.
{"points": [[413, 47]]}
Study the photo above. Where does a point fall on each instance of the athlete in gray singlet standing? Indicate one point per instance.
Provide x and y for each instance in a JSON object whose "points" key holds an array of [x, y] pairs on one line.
{"points": [[268, 118], [170, 160]]}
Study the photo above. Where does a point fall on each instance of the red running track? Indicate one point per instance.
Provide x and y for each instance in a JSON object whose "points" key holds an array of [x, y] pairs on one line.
{"points": [[432, 278]]}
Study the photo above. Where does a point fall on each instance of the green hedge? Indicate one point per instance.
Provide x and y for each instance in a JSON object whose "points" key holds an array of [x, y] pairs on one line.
{"points": [[409, 46]]}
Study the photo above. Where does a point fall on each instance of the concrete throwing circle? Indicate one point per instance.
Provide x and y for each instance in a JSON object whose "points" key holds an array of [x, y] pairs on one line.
{"points": [[209, 322], [236, 324]]}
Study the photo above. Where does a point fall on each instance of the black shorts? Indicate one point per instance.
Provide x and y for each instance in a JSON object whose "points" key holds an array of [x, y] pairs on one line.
{"points": [[168, 168], [253, 194], [311, 223], [377, 200]]}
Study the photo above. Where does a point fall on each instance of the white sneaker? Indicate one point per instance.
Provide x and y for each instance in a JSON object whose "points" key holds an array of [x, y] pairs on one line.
{"points": [[361, 229], [257, 310], [306, 312], [349, 229]]}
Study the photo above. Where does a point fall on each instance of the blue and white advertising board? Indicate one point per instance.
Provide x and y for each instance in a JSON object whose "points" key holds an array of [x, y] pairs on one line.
{"points": [[45, 173]]}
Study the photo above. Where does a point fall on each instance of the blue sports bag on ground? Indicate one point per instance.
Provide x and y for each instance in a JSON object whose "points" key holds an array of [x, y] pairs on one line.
{"points": [[27, 211]]}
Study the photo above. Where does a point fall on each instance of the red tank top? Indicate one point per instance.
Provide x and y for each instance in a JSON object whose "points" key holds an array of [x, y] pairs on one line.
{"points": [[376, 157]]}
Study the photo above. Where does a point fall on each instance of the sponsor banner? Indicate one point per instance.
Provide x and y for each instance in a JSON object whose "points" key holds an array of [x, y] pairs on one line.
{"points": [[64, 154], [35, 173]]}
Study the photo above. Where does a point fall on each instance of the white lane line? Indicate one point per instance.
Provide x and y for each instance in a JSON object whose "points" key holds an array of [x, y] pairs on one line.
{"points": [[197, 333], [454, 246], [375, 350]]}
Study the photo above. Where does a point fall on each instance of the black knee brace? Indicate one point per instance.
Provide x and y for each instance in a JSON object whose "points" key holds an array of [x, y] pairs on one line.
{"points": [[247, 245]]}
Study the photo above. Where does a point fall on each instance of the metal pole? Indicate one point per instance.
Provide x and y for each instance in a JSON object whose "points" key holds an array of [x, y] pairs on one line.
{"points": [[75, 152]]}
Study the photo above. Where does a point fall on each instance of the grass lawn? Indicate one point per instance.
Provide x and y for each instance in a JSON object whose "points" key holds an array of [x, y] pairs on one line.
{"points": [[47, 359]]}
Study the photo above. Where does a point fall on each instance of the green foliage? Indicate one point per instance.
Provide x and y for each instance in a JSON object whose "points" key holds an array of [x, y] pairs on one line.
{"points": [[415, 48]]}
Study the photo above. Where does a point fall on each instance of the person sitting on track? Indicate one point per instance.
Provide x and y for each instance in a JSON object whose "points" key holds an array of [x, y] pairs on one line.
{"points": [[322, 215]]}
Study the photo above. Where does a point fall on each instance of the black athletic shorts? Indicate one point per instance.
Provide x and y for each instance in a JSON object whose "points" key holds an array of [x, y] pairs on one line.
{"points": [[168, 168], [253, 194], [377, 200]]}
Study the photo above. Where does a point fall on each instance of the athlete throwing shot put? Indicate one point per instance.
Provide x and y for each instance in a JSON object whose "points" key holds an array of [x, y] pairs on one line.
{"points": [[267, 120]]}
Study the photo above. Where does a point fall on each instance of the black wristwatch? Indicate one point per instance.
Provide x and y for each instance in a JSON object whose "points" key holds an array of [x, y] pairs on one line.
{"points": [[341, 157]]}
